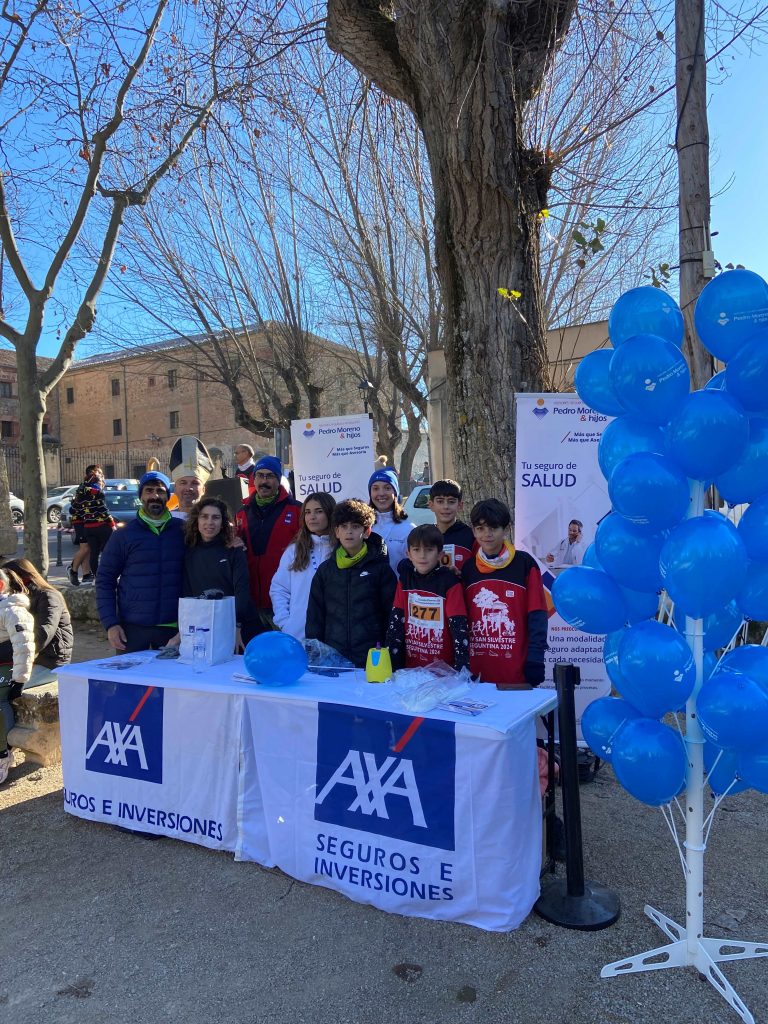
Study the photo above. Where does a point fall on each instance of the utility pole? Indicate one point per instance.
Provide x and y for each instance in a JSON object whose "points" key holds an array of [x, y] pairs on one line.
{"points": [[694, 207]]}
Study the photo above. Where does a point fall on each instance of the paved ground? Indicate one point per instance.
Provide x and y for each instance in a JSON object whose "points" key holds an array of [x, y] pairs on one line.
{"points": [[100, 927]]}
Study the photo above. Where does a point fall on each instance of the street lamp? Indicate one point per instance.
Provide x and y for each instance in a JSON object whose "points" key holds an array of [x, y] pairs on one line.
{"points": [[365, 388]]}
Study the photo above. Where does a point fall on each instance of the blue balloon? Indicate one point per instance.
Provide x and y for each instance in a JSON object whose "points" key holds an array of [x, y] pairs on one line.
{"points": [[722, 767], [611, 656], [716, 383], [602, 720], [747, 479], [657, 669], [275, 658], [747, 374], [732, 307], [708, 434], [650, 762], [649, 490], [640, 604], [753, 529], [733, 710], [629, 553], [651, 377], [625, 436], [590, 557], [593, 383], [753, 769], [720, 626], [710, 664], [703, 564], [589, 600], [752, 599], [645, 310], [751, 659]]}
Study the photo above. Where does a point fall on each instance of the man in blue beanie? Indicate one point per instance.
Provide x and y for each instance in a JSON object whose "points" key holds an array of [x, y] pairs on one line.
{"points": [[266, 524], [138, 584]]}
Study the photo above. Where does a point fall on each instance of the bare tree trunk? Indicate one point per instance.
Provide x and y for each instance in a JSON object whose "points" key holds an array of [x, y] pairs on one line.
{"points": [[411, 445], [31, 412], [8, 540], [692, 144]]}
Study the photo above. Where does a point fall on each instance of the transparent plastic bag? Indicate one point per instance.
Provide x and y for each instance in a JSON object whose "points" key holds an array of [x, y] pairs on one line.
{"points": [[324, 660], [422, 689]]}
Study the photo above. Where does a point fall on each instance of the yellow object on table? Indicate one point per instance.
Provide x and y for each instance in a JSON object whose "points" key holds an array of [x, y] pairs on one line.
{"points": [[378, 667]]}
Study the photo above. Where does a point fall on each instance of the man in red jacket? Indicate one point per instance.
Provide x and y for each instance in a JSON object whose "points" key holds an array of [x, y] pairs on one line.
{"points": [[267, 524]]}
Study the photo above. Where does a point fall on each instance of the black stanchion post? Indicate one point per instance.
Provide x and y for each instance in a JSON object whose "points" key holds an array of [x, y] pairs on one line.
{"points": [[573, 902], [58, 545]]}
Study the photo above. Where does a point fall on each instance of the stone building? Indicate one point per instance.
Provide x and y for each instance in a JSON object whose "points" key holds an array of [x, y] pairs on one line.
{"points": [[9, 423]]}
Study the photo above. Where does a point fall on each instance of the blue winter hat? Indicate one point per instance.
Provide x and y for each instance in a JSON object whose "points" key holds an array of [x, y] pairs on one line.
{"points": [[153, 477], [385, 476], [270, 464]]}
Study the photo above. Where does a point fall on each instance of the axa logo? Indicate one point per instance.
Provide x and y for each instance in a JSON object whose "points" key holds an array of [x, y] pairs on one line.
{"points": [[387, 774], [124, 731]]}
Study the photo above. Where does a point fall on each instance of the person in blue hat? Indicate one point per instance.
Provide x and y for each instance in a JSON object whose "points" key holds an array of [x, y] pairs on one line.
{"points": [[138, 584], [391, 518]]}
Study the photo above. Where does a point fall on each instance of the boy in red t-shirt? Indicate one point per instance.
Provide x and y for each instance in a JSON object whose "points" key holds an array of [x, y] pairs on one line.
{"points": [[428, 621], [505, 604]]}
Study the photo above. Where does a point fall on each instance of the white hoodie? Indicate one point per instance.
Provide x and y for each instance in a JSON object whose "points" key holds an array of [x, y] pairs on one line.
{"points": [[289, 590], [18, 626], [394, 535]]}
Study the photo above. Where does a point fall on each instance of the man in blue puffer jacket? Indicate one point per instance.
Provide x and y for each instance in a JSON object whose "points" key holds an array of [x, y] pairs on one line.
{"points": [[138, 584]]}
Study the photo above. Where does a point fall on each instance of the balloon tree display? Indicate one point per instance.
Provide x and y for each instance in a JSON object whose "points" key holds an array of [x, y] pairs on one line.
{"points": [[666, 446]]}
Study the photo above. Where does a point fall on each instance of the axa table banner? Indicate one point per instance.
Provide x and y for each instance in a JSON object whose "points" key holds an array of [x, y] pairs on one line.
{"points": [[557, 480], [143, 750], [424, 816], [333, 454]]}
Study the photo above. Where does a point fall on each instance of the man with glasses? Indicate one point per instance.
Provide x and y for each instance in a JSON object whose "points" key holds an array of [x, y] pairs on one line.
{"points": [[266, 524], [245, 467]]}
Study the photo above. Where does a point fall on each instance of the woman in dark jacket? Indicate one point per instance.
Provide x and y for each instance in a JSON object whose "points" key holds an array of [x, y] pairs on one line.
{"points": [[53, 627]]}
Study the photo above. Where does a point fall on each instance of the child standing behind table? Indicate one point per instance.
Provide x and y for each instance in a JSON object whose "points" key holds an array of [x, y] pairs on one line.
{"points": [[505, 603], [391, 518], [445, 502], [428, 621]]}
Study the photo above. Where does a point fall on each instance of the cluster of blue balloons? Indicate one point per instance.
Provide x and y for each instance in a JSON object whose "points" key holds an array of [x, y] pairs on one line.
{"points": [[275, 658], [665, 437]]}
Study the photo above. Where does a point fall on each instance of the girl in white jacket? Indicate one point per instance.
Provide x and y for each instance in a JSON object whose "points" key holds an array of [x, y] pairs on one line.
{"points": [[391, 518], [17, 627], [289, 590]]}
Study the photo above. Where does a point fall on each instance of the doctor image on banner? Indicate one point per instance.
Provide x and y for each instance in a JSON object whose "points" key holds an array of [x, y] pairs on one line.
{"points": [[570, 550]]}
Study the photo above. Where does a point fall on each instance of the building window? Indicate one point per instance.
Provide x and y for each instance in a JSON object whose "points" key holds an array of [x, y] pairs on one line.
{"points": [[139, 469], [173, 379], [70, 396], [6, 389], [6, 428], [109, 470], [115, 387], [150, 382], [173, 420], [117, 428]]}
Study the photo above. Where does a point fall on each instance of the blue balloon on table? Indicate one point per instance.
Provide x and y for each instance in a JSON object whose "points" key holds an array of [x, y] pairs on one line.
{"points": [[733, 710], [650, 762], [730, 310], [657, 669], [625, 436], [703, 564], [592, 381], [747, 479], [611, 656], [589, 600], [720, 626], [751, 659], [747, 374], [601, 721], [707, 434], [722, 767], [650, 377], [753, 529], [629, 553], [649, 490], [752, 599], [753, 770], [645, 310], [275, 658]]}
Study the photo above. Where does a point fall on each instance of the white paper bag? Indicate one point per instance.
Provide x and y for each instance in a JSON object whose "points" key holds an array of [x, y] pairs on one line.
{"points": [[214, 620]]}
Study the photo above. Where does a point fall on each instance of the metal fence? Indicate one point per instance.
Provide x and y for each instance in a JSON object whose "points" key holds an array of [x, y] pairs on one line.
{"points": [[132, 463], [13, 462]]}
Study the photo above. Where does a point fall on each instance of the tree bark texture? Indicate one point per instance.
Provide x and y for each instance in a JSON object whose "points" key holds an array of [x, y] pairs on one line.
{"points": [[31, 412], [692, 144], [467, 68]]}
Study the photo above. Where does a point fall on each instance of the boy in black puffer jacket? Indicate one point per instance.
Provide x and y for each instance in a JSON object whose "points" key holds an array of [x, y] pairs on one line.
{"points": [[352, 591]]}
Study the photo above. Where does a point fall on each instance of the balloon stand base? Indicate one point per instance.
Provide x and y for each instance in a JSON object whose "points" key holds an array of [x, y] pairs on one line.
{"points": [[704, 957], [597, 908]]}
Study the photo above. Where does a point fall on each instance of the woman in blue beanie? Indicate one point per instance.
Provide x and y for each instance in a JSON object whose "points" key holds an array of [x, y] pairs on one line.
{"points": [[391, 518]]}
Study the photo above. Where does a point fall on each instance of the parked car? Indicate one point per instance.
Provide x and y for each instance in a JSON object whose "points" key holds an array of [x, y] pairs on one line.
{"points": [[17, 509], [122, 505], [57, 497], [121, 484], [416, 505]]}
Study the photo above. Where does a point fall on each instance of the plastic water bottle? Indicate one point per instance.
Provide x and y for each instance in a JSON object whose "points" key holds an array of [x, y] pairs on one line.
{"points": [[199, 647]]}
